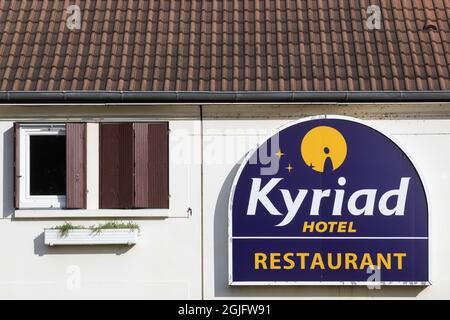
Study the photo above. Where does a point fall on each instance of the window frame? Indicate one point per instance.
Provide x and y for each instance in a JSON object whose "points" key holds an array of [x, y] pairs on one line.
{"points": [[26, 200]]}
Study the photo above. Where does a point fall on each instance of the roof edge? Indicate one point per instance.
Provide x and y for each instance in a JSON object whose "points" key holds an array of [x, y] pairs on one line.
{"points": [[221, 96]]}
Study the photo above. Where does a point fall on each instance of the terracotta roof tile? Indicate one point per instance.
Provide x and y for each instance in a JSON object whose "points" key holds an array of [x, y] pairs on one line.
{"points": [[225, 45]]}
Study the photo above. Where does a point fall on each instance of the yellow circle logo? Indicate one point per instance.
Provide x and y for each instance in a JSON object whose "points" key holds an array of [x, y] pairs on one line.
{"points": [[323, 149]]}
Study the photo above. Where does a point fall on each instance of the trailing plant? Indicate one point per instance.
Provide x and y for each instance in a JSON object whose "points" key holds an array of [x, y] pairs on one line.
{"points": [[67, 226], [115, 225]]}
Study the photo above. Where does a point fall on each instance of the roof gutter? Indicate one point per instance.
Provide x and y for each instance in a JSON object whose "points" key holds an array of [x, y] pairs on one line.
{"points": [[221, 96]]}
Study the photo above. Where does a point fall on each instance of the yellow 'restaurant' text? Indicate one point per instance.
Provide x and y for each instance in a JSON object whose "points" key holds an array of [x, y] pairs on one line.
{"points": [[329, 261]]}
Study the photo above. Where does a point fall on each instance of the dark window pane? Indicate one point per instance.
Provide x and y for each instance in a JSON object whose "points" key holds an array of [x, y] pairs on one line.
{"points": [[47, 165]]}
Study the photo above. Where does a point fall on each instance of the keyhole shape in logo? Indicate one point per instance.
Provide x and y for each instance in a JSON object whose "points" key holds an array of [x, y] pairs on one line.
{"points": [[323, 149]]}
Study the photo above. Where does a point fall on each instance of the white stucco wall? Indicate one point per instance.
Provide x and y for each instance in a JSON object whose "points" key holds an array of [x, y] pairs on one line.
{"points": [[170, 260], [424, 134], [164, 264]]}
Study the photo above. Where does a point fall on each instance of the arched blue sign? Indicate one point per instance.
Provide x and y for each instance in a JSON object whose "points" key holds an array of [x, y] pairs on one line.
{"points": [[328, 200]]}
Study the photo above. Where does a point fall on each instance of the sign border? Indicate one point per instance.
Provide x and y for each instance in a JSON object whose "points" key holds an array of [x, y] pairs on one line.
{"points": [[232, 282]]}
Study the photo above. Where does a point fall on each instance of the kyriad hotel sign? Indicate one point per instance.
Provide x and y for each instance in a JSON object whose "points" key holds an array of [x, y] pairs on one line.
{"points": [[328, 200]]}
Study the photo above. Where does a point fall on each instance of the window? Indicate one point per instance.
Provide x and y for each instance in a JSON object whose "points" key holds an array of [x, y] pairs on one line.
{"points": [[46, 163], [134, 165], [50, 165]]}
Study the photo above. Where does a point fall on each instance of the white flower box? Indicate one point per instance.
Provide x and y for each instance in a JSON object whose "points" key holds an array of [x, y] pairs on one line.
{"points": [[53, 237]]}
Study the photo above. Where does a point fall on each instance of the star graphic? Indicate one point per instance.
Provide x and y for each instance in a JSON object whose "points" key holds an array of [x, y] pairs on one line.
{"points": [[279, 154], [289, 168]]}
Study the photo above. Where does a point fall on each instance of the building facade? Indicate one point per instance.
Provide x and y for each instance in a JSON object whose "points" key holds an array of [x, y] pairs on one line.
{"points": [[146, 112]]}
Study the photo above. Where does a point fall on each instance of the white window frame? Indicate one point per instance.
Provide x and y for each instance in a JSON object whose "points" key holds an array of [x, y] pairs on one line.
{"points": [[26, 200]]}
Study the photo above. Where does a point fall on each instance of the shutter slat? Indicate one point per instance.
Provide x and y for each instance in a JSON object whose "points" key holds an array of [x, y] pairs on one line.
{"points": [[151, 165], [16, 165], [76, 165], [116, 161], [141, 198]]}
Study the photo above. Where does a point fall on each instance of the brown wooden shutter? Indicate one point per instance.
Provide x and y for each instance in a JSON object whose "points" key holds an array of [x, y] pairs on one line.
{"points": [[116, 166], [76, 165], [16, 165], [141, 148], [151, 165]]}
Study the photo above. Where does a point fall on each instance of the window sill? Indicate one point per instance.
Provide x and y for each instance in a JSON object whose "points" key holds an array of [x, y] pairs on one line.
{"points": [[86, 213]]}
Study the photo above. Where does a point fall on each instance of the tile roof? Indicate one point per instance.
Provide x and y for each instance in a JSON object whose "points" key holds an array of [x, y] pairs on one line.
{"points": [[233, 45]]}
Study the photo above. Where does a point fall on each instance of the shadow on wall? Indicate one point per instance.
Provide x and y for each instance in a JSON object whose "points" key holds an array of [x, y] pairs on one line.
{"points": [[222, 289], [41, 249], [8, 173]]}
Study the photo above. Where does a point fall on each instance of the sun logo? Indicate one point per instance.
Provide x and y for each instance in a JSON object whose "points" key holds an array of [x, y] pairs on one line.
{"points": [[323, 149]]}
